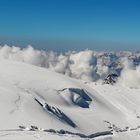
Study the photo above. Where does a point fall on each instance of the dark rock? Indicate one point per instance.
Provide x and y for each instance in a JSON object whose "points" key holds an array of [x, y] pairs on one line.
{"points": [[111, 79]]}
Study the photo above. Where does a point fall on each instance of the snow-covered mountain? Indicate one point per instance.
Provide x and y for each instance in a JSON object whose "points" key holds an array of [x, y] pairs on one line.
{"points": [[38, 103]]}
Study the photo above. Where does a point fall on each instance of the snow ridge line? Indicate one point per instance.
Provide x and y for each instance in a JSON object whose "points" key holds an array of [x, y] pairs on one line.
{"points": [[60, 132]]}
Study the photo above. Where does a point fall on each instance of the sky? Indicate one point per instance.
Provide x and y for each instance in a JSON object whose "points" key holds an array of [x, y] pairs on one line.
{"points": [[63, 25]]}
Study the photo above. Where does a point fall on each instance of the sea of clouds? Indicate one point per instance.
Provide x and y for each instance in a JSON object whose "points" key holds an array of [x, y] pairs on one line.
{"points": [[87, 65]]}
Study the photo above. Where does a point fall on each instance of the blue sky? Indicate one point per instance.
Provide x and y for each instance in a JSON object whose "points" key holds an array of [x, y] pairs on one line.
{"points": [[71, 24]]}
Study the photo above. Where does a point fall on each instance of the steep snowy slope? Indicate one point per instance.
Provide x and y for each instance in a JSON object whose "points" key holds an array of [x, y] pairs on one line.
{"points": [[30, 95]]}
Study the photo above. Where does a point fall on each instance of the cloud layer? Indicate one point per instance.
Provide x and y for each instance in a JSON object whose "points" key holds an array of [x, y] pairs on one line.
{"points": [[86, 65]]}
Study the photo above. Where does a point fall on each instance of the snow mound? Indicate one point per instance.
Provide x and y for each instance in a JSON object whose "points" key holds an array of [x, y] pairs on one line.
{"points": [[77, 96]]}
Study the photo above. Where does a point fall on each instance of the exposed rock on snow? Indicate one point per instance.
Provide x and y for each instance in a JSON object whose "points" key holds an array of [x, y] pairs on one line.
{"points": [[60, 132], [56, 112], [79, 97], [111, 79]]}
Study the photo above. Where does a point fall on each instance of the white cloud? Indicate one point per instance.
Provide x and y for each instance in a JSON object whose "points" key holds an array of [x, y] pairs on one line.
{"points": [[86, 65]]}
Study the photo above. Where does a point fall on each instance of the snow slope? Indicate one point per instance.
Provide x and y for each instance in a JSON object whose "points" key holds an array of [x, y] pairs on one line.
{"points": [[61, 101]]}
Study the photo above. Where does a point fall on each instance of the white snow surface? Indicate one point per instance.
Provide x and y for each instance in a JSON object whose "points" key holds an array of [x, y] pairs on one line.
{"points": [[116, 106]]}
